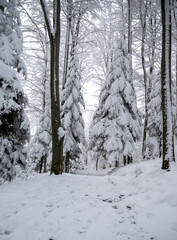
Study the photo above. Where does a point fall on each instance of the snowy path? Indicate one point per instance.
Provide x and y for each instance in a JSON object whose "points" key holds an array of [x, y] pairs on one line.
{"points": [[85, 207]]}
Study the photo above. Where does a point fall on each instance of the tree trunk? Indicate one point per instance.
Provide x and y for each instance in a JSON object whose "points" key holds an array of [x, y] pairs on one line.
{"points": [[68, 33], [54, 37], [166, 88], [116, 163], [175, 23], [129, 159], [170, 78], [125, 160], [57, 144], [176, 97], [41, 164], [130, 31], [45, 165], [143, 13], [67, 162], [97, 164]]}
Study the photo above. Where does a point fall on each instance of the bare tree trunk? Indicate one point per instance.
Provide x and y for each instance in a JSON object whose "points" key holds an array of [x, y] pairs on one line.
{"points": [[116, 163], [175, 23], [45, 69], [166, 88], [41, 163], [45, 165], [54, 37], [67, 167], [143, 14], [125, 160], [170, 78], [176, 92], [130, 30], [97, 163], [68, 33]]}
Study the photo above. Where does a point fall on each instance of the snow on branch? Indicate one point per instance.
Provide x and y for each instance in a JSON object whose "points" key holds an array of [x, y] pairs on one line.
{"points": [[61, 133]]}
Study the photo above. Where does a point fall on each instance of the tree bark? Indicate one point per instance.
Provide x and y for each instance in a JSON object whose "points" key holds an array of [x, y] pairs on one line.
{"points": [[54, 37], [143, 14], [125, 160], [166, 85], [68, 33], [67, 162], [116, 163], [97, 163], [130, 31], [41, 164]]}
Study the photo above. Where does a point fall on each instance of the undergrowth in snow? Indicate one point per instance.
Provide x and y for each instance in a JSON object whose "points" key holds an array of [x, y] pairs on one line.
{"points": [[138, 201]]}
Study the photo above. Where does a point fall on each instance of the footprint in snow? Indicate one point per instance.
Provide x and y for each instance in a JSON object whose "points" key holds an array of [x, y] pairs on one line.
{"points": [[49, 205], [15, 212], [7, 232]]}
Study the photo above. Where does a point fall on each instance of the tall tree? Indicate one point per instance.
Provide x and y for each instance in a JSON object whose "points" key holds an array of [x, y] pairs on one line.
{"points": [[154, 139], [130, 30], [67, 41], [39, 155], [54, 39], [143, 15], [150, 31], [116, 122], [152, 142], [166, 84], [72, 97], [72, 120], [14, 124], [174, 8]]}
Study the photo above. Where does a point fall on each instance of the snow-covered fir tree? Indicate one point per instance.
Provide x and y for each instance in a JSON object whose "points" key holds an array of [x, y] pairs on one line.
{"points": [[116, 124], [14, 124], [72, 120], [154, 133], [39, 156], [155, 127]]}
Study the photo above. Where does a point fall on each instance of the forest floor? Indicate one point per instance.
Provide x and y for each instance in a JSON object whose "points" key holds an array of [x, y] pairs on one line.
{"points": [[137, 202]]}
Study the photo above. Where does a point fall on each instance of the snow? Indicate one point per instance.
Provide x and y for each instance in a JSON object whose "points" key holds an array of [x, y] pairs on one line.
{"points": [[138, 201]]}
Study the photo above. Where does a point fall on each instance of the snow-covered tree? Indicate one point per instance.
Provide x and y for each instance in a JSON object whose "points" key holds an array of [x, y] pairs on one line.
{"points": [[154, 137], [116, 122], [97, 134], [40, 147], [14, 124], [72, 120], [39, 156], [155, 127]]}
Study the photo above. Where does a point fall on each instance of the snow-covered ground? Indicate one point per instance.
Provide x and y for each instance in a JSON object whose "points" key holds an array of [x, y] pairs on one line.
{"points": [[136, 202]]}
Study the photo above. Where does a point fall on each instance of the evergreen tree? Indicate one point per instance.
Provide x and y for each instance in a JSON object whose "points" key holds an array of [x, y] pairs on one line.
{"points": [[72, 120], [100, 121], [14, 124], [155, 126], [39, 156], [116, 122], [154, 138]]}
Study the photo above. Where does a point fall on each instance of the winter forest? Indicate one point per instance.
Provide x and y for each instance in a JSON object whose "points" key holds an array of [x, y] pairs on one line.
{"points": [[88, 119]]}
